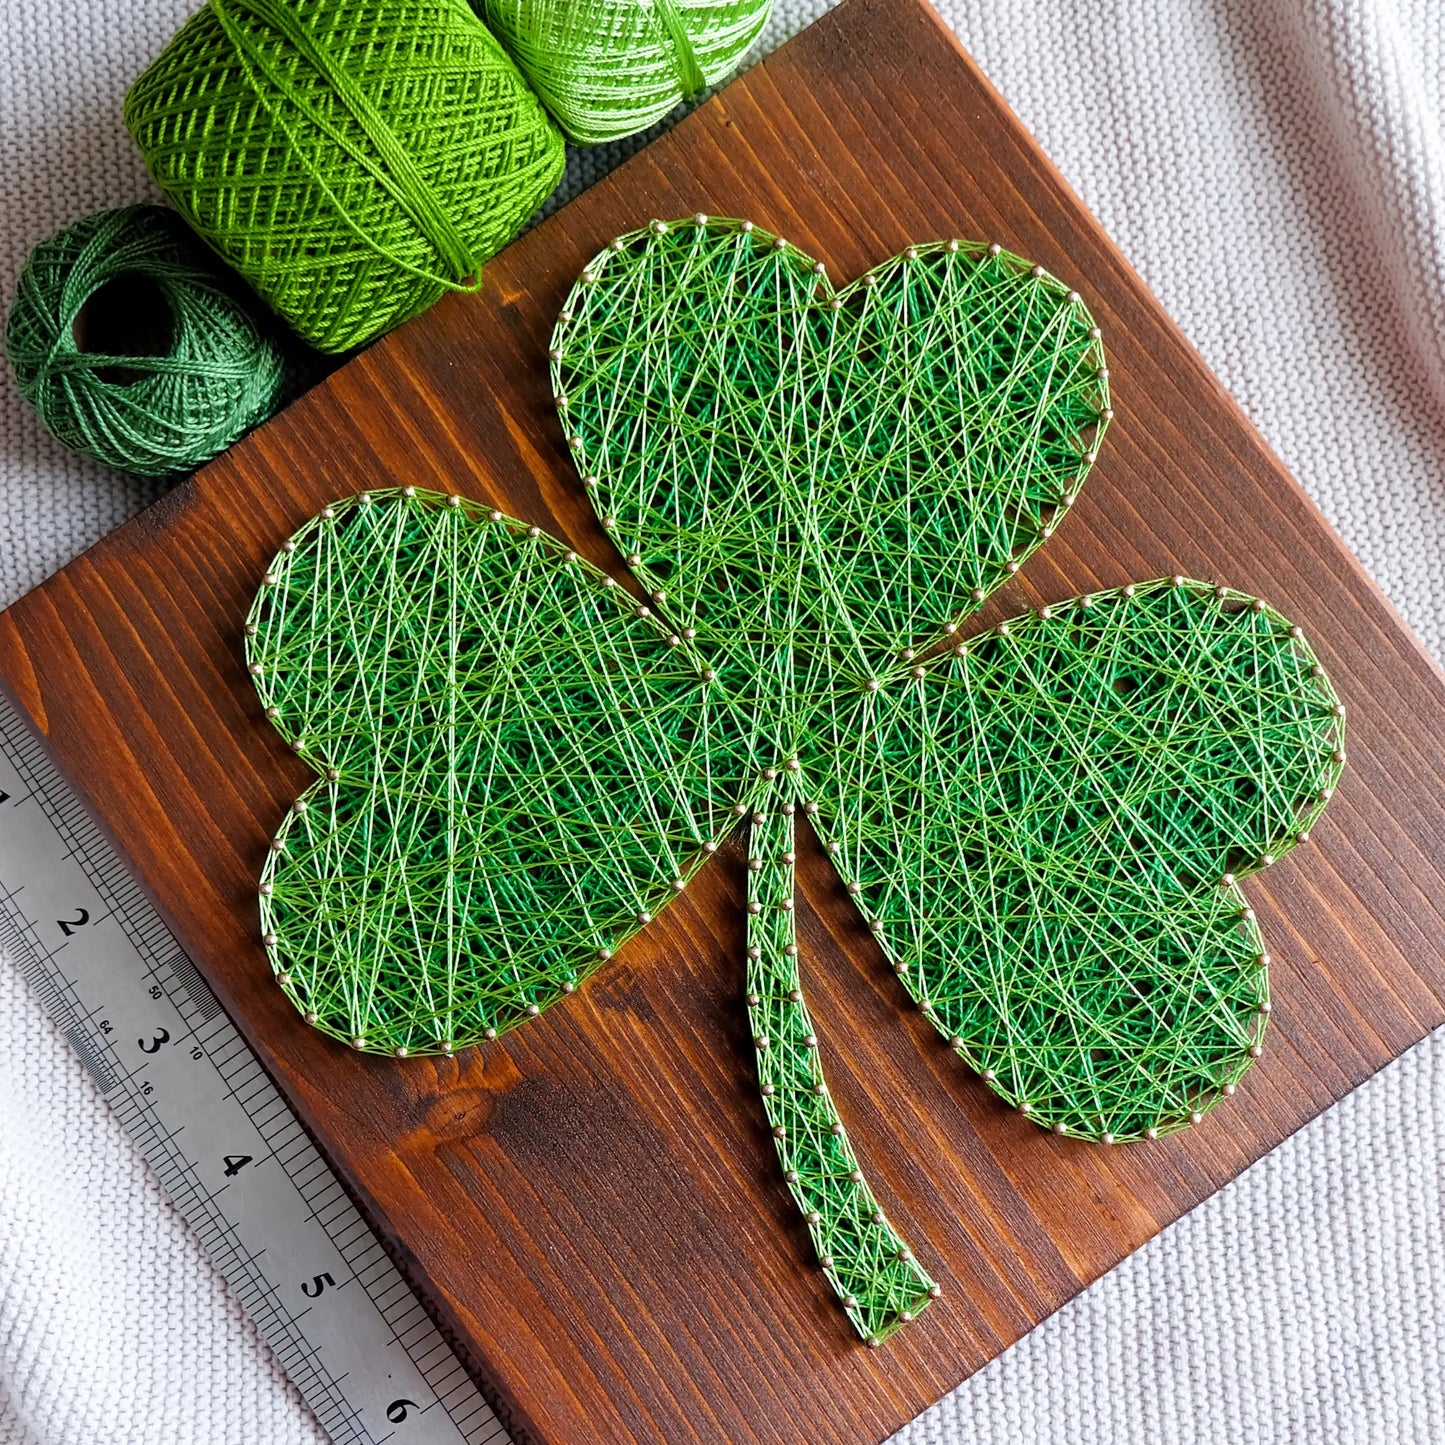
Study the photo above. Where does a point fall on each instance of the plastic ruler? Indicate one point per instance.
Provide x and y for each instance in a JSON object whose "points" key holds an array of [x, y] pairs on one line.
{"points": [[225, 1145]]}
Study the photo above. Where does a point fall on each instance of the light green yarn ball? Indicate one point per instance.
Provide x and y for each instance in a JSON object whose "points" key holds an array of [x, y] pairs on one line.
{"points": [[609, 68], [353, 160]]}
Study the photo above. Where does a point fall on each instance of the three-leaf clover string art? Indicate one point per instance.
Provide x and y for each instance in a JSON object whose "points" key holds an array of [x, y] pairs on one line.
{"points": [[1045, 826]]}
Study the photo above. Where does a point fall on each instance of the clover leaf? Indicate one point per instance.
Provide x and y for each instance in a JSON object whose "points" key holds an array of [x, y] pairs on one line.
{"points": [[1044, 825]]}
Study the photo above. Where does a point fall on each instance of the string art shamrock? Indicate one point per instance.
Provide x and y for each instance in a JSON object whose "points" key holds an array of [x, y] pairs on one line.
{"points": [[1045, 826]]}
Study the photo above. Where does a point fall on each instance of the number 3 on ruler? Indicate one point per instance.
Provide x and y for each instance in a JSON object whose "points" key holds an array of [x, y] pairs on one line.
{"points": [[162, 1036]]}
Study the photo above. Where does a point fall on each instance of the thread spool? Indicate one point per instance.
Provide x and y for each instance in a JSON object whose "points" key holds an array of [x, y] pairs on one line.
{"points": [[128, 342], [610, 68], [352, 160]]}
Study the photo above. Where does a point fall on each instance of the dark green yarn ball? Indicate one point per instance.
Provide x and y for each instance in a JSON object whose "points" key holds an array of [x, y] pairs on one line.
{"points": [[130, 342]]}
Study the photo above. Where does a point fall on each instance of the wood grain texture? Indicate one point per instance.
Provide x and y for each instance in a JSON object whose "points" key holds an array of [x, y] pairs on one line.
{"points": [[593, 1204]]}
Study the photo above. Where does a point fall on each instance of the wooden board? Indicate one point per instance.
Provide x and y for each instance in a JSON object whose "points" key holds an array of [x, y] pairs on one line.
{"points": [[593, 1205]]}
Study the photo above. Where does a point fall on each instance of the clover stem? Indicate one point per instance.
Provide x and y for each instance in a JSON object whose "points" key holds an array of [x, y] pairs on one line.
{"points": [[870, 1267]]}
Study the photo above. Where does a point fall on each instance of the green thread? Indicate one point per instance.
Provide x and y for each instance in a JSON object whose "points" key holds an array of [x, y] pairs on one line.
{"points": [[397, 174], [606, 69], [871, 1269], [1043, 826], [352, 161], [208, 374], [822, 481], [684, 58], [515, 766]]}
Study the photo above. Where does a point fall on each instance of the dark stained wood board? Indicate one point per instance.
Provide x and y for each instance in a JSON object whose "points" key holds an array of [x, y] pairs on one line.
{"points": [[593, 1204]]}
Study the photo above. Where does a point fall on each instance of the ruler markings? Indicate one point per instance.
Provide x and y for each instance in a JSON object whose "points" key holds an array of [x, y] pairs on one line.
{"points": [[198, 992], [270, 1213], [95, 1066]]}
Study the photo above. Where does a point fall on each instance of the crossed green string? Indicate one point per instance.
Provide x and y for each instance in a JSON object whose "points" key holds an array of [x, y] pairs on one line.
{"points": [[1043, 826]]}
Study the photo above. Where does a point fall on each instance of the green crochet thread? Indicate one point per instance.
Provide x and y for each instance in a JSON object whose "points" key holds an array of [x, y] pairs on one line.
{"points": [[352, 160], [606, 69], [207, 373], [1044, 826]]}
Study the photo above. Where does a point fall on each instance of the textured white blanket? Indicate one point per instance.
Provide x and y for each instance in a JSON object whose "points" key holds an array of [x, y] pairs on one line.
{"points": [[1276, 169]]}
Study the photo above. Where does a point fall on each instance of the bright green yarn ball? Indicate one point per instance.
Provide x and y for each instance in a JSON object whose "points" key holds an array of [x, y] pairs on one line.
{"points": [[353, 160], [132, 346], [609, 68]]}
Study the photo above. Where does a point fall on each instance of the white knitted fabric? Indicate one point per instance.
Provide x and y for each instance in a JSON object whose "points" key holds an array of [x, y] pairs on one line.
{"points": [[1276, 170]]}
